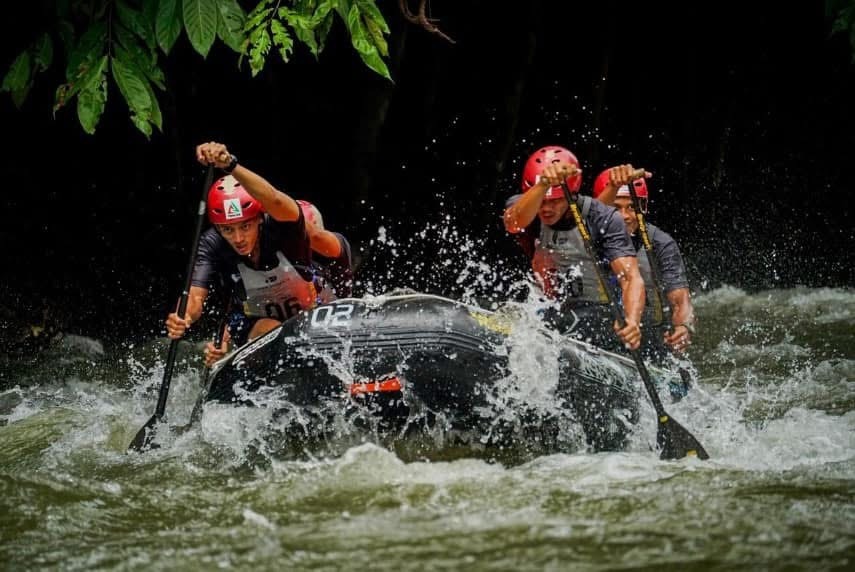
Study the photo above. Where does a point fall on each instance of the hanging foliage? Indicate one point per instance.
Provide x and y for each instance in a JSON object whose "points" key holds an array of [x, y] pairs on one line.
{"points": [[123, 40], [842, 13]]}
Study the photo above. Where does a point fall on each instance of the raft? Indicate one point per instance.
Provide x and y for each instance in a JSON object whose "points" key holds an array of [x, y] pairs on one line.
{"points": [[414, 362]]}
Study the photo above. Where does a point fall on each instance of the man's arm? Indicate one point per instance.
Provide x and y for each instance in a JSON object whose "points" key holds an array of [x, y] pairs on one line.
{"points": [[324, 242], [625, 269], [672, 272], [682, 319], [176, 327], [278, 205], [520, 214]]}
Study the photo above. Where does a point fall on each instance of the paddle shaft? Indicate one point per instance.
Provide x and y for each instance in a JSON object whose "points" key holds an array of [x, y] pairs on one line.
{"points": [[648, 247], [658, 286], [185, 295], [616, 313]]}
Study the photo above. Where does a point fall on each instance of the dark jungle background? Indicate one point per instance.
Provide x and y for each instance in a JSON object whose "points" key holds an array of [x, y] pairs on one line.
{"points": [[743, 111]]}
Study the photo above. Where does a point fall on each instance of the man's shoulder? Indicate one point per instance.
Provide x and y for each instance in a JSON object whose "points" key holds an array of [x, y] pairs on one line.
{"points": [[601, 214], [659, 237], [342, 239], [596, 207], [269, 221], [212, 241], [289, 235], [346, 251]]}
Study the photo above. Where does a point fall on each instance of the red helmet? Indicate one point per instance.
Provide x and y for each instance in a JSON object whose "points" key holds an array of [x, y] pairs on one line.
{"points": [[229, 202], [602, 180], [311, 214], [546, 156]]}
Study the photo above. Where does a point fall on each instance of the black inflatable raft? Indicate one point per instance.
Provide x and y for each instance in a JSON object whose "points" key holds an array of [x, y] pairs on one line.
{"points": [[416, 360]]}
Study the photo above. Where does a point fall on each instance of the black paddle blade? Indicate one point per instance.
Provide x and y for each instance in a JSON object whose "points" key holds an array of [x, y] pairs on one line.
{"points": [[676, 442], [144, 439]]}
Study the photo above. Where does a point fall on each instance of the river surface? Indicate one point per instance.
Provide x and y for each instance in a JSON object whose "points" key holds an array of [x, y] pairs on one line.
{"points": [[775, 408]]}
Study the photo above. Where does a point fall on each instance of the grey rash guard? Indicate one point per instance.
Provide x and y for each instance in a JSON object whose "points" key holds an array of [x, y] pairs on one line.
{"points": [[670, 266]]}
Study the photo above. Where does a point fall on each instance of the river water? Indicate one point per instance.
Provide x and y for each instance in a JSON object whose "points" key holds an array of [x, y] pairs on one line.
{"points": [[775, 408]]}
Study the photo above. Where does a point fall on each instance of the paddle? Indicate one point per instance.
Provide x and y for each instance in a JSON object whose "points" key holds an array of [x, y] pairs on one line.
{"points": [[673, 440], [144, 437], [658, 288]]}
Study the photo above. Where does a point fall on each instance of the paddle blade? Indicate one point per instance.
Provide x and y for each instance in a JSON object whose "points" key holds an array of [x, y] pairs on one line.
{"points": [[144, 439], [676, 442]]}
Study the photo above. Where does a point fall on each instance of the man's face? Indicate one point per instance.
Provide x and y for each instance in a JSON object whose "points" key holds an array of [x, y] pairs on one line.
{"points": [[242, 236], [627, 212], [552, 210]]}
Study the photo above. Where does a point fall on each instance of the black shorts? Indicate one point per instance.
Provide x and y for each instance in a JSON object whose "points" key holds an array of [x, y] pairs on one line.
{"points": [[239, 325]]}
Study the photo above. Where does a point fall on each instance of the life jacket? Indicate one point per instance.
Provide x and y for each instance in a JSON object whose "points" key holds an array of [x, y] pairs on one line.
{"points": [[563, 264], [653, 308], [278, 293]]}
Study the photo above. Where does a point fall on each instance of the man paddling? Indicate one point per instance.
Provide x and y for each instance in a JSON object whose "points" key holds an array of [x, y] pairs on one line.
{"points": [[671, 276], [258, 249], [541, 220]]}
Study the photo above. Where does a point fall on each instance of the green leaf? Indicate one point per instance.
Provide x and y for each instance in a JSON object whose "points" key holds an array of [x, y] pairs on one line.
{"points": [[343, 7], [20, 95], [323, 30], [123, 36], [200, 20], [168, 24], [367, 51], [87, 76], [230, 24], [142, 124], [19, 73], [156, 117], [93, 98], [370, 11], [134, 21], [376, 35], [372, 59], [843, 20], [259, 13], [144, 58], [88, 49], [259, 45], [303, 26], [43, 53], [132, 85], [282, 39], [145, 61]]}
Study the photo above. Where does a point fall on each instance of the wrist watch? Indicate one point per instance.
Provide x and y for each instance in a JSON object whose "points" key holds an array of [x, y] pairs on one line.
{"points": [[231, 166]]}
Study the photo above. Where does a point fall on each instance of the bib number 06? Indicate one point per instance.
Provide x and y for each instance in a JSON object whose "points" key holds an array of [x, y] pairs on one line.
{"points": [[288, 309], [331, 316]]}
